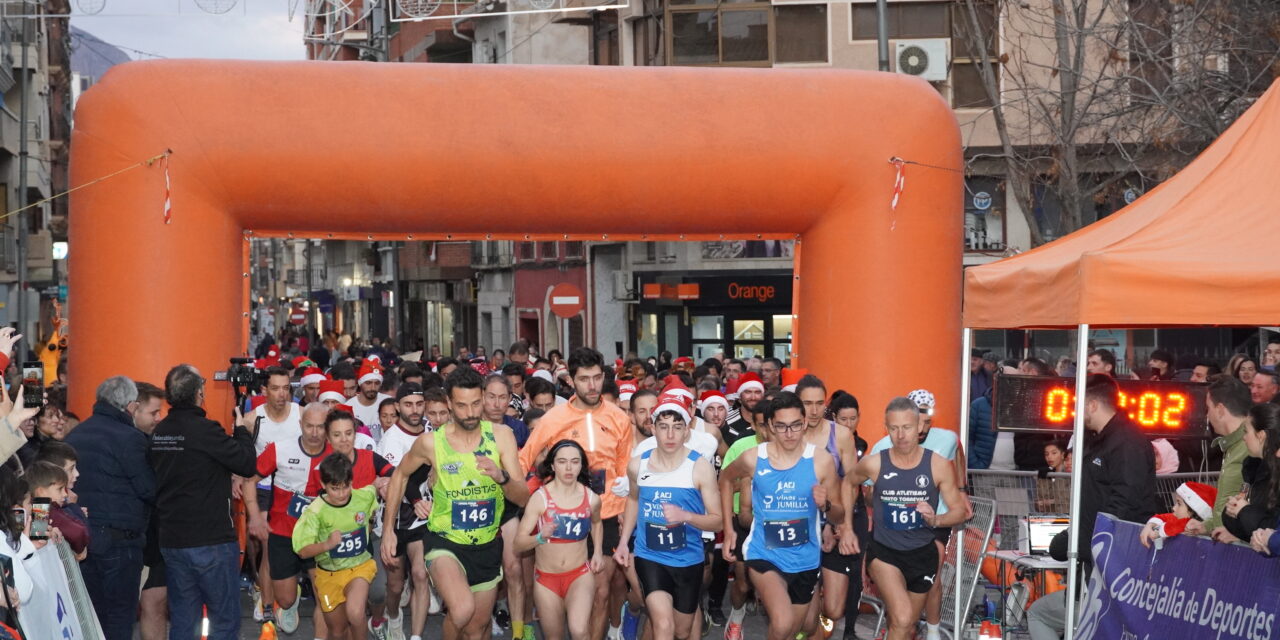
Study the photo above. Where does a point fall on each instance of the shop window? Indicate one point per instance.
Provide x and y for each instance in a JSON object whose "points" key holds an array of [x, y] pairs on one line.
{"points": [[782, 327], [647, 341], [548, 250], [695, 37], [744, 36], [984, 214], [573, 249], [708, 327], [704, 350], [801, 32], [748, 330]]}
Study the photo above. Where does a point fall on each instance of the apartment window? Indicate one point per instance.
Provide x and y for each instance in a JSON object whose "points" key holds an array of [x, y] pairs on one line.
{"points": [[745, 34], [526, 251], [801, 32], [549, 250], [915, 20], [604, 41], [573, 249]]}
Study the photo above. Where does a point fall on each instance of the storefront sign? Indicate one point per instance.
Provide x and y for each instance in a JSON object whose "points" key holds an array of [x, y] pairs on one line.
{"points": [[746, 290], [1192, 588]]}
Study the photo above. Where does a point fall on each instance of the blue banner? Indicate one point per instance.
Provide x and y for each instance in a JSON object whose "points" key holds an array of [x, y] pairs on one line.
{"points": [[1192, 588]]}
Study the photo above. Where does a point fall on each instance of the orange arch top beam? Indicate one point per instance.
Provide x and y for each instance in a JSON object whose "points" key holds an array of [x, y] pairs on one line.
{"points": [[359, 148]]}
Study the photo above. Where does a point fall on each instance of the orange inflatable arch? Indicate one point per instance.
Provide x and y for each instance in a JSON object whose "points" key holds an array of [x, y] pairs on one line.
{"points": [[370, 151]]}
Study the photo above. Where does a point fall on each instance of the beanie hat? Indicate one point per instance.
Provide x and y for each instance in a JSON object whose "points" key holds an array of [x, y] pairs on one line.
{"points": [[370, 369], [791, 377], [671, 401], [1199, 497], [312, 375], [332, 390], [750, 380], [710, 397]]}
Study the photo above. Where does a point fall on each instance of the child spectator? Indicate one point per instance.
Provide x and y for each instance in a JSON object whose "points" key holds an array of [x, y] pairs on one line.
{"points": [[67, 516], [335, 531], [1192, 500], [48, 480]]}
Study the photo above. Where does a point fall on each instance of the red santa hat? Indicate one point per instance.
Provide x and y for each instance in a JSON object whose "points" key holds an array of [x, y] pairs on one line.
{"points": [[302, 361], [347, 408], [626, 389], [710, 397], [791, 377], [670, 401], [731, 389], [682, 361], [312, 375], [675, 385], [750, 380], [332, 390], [374, 358], [370, 369], [1199, 497]]}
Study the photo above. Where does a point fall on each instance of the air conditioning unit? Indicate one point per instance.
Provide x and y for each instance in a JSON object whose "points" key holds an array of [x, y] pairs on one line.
{"points": [[623, 286], [927, 59]]}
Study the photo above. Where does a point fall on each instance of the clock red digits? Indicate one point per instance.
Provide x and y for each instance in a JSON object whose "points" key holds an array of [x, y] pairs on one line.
{"points": [[1172, 416]]}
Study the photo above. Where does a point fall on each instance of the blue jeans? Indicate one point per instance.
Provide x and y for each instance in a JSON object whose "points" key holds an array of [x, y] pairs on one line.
{"points": [[207, 576], [112, 572]]}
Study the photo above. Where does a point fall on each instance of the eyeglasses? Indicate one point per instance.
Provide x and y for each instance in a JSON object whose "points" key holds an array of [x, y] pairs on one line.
{"points": [[783, 428]]}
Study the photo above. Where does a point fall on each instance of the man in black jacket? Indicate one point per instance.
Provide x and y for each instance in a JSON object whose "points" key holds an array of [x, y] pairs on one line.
{"points": [[1118, 463], [1119, 468], [117, 488], [194, 460]]}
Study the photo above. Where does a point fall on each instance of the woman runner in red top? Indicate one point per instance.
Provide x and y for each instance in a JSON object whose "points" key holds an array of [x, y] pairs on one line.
{"points": [[368, 468], [556, 522]]}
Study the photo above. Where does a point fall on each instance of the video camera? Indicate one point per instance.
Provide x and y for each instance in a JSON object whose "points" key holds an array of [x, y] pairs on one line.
{"points": [[244, 377]]}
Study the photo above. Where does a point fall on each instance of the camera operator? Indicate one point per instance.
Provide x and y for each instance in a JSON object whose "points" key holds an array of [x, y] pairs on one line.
{"points": [[194, 460]]}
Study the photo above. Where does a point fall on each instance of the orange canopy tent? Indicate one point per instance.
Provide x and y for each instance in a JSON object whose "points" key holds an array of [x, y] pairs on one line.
{"points": [[1197, 250], [1200, 249]]}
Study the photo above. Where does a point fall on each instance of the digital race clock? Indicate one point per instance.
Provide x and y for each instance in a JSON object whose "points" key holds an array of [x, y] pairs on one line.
{"points": [[1163, 408]]}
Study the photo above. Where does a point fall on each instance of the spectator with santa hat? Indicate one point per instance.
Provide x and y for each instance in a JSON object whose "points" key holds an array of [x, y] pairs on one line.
{"points": [[1191, 500]]}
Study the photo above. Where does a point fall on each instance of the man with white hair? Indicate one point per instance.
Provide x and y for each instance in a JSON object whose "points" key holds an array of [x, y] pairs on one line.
{"points": [[116, 487]]}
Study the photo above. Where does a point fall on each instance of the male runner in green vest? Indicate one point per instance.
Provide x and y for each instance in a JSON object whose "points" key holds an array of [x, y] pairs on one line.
{"points": [[473, 465]]}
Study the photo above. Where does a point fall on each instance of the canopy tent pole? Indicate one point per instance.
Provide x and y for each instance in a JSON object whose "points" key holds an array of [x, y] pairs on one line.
{"points": [[1077, 474], [962, 429]]}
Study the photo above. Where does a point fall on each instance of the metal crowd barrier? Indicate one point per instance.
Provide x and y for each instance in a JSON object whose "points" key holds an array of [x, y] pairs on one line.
{"points": [[1018, 494]]}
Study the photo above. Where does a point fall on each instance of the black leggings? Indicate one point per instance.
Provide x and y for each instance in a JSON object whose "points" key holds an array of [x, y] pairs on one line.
{"points": [[854, 595]]}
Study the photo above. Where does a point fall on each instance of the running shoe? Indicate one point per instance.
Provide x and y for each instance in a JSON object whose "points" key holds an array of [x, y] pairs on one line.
{"points": [[379, 632], [528, 632], [733, 631], [706, 623], [257, 604], [436, 606], [395, 627], [268, 631], [288, 618], [630, 622], [498, 631], [717, 616], [501, 618], [826, 625]]}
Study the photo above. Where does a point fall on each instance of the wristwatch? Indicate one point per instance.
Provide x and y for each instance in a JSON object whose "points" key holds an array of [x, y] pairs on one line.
{"points": [[506, 477]]}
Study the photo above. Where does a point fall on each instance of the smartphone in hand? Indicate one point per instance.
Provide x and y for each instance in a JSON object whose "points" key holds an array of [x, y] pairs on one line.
{"points": [[32, 384], [39, 519]]}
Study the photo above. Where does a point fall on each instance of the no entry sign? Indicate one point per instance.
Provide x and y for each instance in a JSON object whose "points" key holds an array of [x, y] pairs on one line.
{"points": [[566, 300], [298, 316]]}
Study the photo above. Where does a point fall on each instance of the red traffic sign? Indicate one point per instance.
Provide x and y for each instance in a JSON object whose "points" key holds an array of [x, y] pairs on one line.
{"points": [[298, 316], [567, 300]]}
